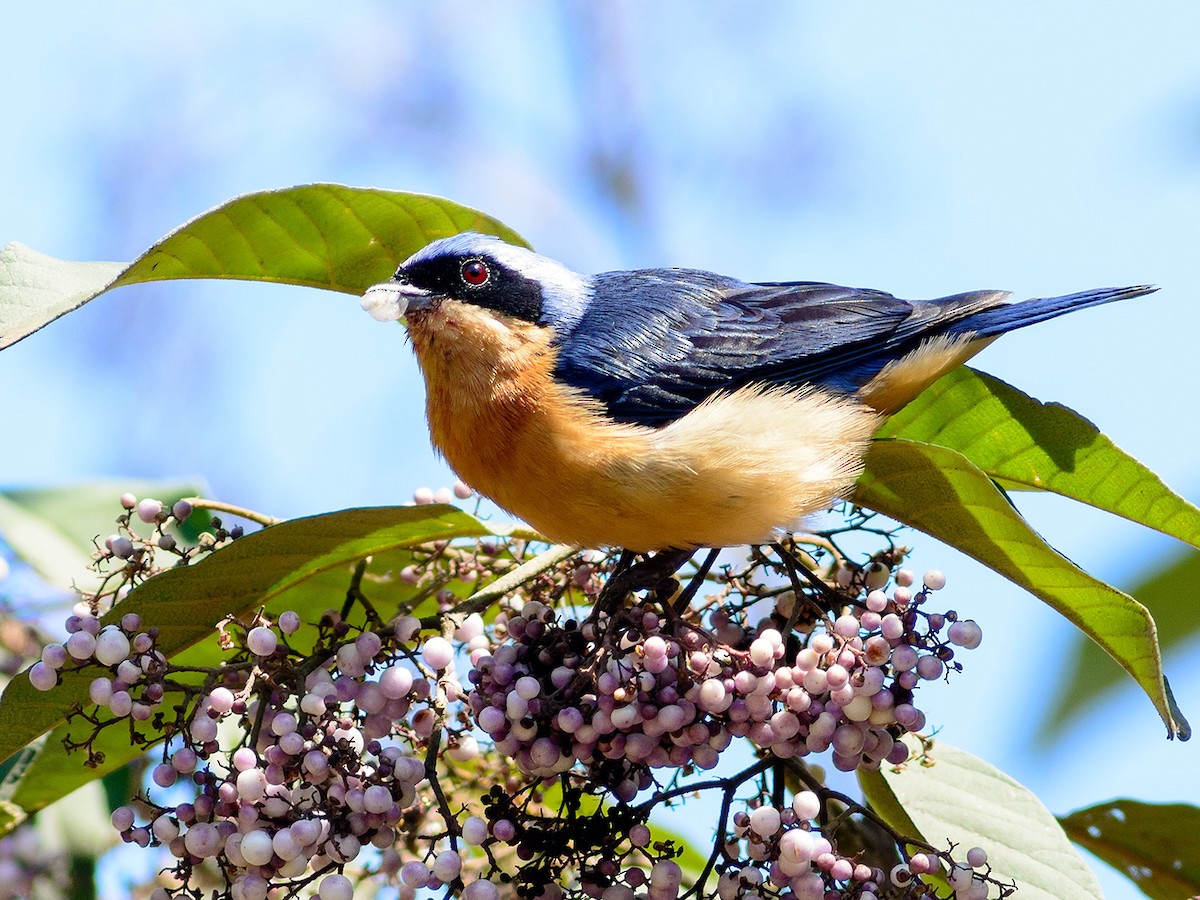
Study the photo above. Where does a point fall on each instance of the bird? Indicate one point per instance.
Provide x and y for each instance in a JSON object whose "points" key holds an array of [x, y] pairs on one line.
{"points": [[670, 408]]}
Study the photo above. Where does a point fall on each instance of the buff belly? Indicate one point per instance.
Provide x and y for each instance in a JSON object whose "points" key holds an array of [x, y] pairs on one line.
{"points": [[730, 472]]}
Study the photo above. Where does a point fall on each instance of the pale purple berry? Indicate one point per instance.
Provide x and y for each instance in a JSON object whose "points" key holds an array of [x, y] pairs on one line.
{"points": [[480, 890], [423, 496], [665, 878], [202, 840], [336, 887], [846, 626], [841, 870], [447, 866], [504, 830], [930, 668], [261, 641], [407, 628], [121, 704], [764, 821], [148, 509], [415, 875], [437, 653], [122, 818], [42, 677], [181, 510], [256, 847], [904, 658], [475, 831], [164, 829], [877, 601], [81, 645], [100, 691], [796, 845], [251, 785], [960, 878], [54, 656], [922, 864], [966, 634], [876, 576], [220, 700], [289, 621], [112, 646], [977, 857], [806, 804], [935, 579], [244, 758]]}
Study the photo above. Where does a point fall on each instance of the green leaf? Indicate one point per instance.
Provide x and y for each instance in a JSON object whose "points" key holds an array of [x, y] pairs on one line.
{"points": [[319, 235], [1156, 844], [1029, 445], [963, 799], [53, 529], [1170, 595], [186, 604], [36, 289], [941, 493]]}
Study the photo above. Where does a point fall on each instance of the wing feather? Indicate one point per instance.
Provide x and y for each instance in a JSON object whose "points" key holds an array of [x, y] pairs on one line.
{"points": [[654, 344]]}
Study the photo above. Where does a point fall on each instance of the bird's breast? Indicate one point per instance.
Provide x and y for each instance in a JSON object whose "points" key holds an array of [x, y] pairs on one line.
{"points": [[728, 472]]}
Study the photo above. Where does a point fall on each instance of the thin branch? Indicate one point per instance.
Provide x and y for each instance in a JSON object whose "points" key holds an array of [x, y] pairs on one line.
{"points": [[240, 511]]}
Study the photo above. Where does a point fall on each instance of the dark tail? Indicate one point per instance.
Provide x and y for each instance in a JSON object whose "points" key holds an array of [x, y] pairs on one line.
{"points": [[999, 319]]}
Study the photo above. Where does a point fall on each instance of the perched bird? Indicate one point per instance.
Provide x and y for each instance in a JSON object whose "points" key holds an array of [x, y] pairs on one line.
{"points": [[670, 408]]}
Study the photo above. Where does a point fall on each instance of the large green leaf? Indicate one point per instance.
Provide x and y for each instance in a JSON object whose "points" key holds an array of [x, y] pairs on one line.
{"points": [[963, 799], [940, 492], [185, 604], [318, 235], [1170, 595], [1155, 844], [53, 529], [1029, 445]]}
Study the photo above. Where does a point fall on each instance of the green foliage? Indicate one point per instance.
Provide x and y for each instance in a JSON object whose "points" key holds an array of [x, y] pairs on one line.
{"points": [[1024, 444], [1170, 594], [1153, 843], [318, 235], [940, 492], [941, 465]]}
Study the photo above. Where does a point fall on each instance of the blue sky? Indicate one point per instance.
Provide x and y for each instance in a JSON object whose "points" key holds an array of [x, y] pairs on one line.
{"points": [[923, 149]]}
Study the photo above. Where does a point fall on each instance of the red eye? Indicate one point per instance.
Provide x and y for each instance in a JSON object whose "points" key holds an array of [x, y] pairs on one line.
{"points": [[474, 273]]}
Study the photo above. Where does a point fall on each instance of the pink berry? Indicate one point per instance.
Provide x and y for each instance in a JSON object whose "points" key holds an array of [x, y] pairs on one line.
{"points": [[148, 509], [966, 634]]}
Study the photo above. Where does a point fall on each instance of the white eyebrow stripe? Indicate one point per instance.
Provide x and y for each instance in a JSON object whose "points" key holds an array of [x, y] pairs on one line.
{"points": [[565, 293]]}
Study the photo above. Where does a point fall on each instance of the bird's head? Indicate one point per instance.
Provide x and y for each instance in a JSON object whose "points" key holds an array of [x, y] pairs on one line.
{"points": [[483, 271]]}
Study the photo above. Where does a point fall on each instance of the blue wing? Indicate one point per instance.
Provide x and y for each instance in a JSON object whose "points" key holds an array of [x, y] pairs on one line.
{"points": [[653, 344]]}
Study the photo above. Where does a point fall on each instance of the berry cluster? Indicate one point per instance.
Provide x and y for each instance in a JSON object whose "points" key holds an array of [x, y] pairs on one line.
{"points": [[782, 852], [322, 770], [315, 755], [646, 689]]}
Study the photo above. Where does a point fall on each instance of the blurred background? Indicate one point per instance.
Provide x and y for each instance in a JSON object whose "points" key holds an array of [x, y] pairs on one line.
{"points": [[924, 150]]}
